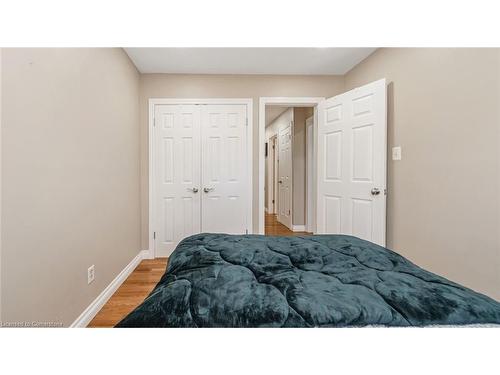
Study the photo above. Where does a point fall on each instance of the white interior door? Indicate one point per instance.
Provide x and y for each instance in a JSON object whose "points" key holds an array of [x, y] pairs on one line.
{"points": [[352, 154], [285, 174], [224, 169], [177, 175], [274, 142]]}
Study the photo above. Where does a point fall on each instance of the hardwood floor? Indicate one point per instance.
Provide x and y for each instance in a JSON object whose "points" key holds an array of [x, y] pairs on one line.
{"points": [[147, 274], [274, 228], [131, 293]]}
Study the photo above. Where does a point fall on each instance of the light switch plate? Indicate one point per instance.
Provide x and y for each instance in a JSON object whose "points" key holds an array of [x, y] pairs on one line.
{"points": [[90, 274], [396, 153]]}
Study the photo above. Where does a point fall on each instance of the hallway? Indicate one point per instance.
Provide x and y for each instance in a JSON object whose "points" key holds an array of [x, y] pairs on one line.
{"points": [[274, 228]]}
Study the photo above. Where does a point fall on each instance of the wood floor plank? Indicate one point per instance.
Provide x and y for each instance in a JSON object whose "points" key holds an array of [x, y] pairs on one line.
{"points": [[274, 228], [131, 293]]}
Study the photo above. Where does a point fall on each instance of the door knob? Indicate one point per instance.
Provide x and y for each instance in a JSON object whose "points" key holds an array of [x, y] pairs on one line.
{"points": [[208, 190], [375, 191], [280, 182], [194, 190]]}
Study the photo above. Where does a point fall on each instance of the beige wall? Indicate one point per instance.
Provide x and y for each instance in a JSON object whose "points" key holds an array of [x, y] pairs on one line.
{"points": [[222, 86], [443, 202], [70, 178]]}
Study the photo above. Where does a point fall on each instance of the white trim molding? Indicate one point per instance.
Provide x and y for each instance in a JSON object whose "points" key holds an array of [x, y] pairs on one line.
{"points": [[281, 101], [157, 101], [91, 311], [298, 228]]}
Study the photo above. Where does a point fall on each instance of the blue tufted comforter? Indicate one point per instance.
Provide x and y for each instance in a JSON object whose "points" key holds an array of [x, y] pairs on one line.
{"points": [[217, 280]]}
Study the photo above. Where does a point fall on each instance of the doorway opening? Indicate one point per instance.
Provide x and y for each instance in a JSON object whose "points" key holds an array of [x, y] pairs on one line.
{"points": [[288, 187], [348, 165]]}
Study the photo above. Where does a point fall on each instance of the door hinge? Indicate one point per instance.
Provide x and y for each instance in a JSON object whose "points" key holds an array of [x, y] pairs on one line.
{"points": [[273, 201], [154, 121], [246, 121], [154, 235], [289, 212]]}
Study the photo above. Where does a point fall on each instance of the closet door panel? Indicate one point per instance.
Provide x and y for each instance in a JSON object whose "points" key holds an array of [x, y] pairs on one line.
{"points": [[224, 170], [178, 175]]}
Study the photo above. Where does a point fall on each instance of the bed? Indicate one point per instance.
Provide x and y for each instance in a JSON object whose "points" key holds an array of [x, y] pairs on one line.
{"points": [[219, 280]]}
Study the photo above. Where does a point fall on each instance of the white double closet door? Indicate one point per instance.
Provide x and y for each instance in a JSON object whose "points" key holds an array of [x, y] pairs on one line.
{"points": [[200, 172]]}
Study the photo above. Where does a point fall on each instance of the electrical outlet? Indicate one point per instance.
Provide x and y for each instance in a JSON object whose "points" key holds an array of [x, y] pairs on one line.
{"points": [[90, 274], [396, 153]]}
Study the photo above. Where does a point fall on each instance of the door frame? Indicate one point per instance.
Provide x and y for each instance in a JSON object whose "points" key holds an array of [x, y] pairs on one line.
{"points": [[272, 181], [311, 101], [248, 102]]}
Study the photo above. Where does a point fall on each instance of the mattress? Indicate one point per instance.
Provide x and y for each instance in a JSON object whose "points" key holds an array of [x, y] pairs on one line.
{"points": [[219, 280]]}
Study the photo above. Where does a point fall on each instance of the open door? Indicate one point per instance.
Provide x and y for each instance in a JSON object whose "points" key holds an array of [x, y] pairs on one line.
{"points": [[285, 174], [274, 167], [352, 163]]}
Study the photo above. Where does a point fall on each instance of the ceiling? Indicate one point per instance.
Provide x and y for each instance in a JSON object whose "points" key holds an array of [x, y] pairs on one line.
{"points": [[272, 112], [288, 61]]}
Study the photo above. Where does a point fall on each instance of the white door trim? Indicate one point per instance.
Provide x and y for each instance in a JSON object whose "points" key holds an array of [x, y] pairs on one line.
{"points": [[281, 101], [158, 101], [272, 181]]}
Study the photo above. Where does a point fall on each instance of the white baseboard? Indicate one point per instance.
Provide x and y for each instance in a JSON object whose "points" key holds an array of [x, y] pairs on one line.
{"points": [[147, 254], [298, 228], [91, 311]]}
